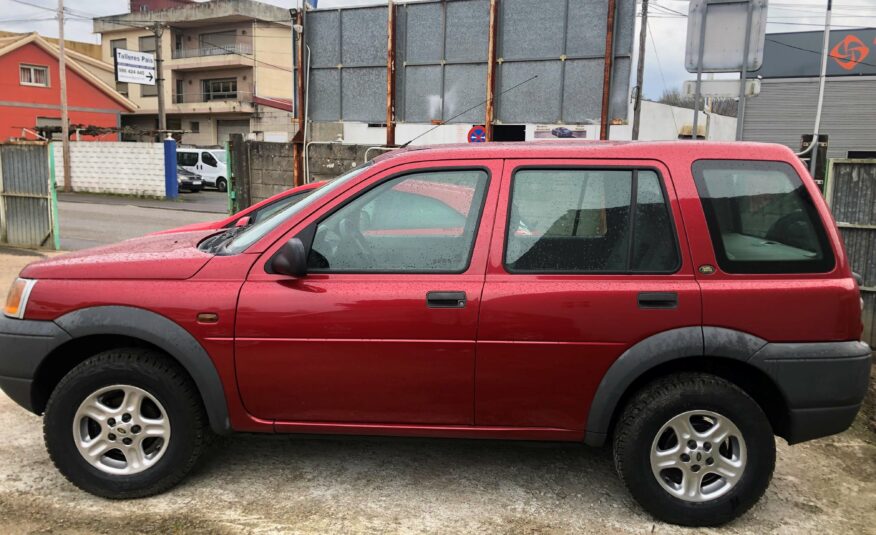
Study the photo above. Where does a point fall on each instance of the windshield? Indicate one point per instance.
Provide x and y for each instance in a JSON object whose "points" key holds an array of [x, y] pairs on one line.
{"points": [[261, 228], [220, 155]]}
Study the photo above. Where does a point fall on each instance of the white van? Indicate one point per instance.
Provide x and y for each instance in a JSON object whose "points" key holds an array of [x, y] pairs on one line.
{"points": [[209, 163]]}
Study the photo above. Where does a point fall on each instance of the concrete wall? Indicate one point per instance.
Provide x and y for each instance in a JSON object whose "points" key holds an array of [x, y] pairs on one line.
{"points": [[272, 49], [331, 161], [122, 168], [273, 125], [270, 169]]}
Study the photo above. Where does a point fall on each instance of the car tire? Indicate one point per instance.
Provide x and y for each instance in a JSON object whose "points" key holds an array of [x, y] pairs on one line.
{"points": [[707, 485], [137, 412], [221, 184]]}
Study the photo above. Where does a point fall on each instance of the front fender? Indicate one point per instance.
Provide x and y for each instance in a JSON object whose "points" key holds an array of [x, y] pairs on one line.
{"points": [[164, 334]]}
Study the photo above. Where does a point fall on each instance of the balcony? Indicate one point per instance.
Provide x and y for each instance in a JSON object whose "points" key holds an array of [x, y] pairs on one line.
{"points": [[213, 50]]}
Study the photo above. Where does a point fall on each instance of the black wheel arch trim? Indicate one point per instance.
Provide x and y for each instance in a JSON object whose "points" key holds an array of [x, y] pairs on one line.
{"points": [[638, 359], [165, 334], [793, 368]]}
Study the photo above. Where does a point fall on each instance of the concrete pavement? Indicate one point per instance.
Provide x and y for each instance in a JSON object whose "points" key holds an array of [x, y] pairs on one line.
{"points": [[209, 201], [92, 220]]}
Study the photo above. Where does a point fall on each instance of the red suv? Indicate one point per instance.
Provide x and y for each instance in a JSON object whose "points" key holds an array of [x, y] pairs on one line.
{"points": [[684, 302]]}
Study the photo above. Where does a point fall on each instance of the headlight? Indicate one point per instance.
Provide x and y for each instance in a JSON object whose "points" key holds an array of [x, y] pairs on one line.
{"points": [[16, 300], [179, 179]]}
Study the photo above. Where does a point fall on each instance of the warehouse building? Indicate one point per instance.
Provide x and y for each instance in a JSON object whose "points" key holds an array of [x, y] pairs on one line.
{"points": [[785, 109]]}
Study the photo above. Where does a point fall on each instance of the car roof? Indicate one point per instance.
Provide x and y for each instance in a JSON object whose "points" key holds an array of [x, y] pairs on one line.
{"points": [[686, 150]]}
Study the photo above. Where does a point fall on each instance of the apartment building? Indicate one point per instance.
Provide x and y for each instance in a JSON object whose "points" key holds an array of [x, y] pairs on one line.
{"points": [[227, 65]]}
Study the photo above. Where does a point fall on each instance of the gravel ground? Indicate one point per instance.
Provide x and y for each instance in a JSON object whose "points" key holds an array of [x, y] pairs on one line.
{"points": [[269, 484]]}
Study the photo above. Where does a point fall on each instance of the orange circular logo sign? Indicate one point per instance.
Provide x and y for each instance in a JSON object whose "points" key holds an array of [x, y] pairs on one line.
{"points": [[849, 52]]}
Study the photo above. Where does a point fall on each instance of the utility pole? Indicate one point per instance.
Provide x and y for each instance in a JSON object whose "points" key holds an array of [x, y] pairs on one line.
{"points": [[813, 160], [640, 70], [158, 31], [65, 120]]}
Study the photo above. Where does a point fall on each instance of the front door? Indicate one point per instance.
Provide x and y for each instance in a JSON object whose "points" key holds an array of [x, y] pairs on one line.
{"points": [[382, 328], [585, 262]]}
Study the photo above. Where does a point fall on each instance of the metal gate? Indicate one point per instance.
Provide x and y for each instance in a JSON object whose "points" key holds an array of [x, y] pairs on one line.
{"points": [[28, 207], [850, 190]]}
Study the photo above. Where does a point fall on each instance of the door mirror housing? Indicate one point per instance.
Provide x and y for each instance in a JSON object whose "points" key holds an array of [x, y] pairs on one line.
{"points": [[291, 259], [242, 222]]}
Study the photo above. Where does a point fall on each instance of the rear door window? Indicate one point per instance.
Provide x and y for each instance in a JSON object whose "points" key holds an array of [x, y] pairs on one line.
{"points": [[761, 218], [589, 221]]}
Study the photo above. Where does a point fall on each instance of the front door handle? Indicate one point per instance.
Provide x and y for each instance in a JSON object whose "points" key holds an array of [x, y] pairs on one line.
{"points": [[658, 300], [445, 299]]}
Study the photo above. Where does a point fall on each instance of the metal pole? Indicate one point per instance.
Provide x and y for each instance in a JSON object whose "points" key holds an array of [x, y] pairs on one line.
{"points": [[824, 46], [158, 30], [491, 70], [740, 106], [640, 70], [390, 74], [65, 120], [298, 140], [694, 133], [292, 44], [608, 64]]}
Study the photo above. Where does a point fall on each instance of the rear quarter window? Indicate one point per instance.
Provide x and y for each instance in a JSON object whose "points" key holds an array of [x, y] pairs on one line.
{"points": [[761, 218]]}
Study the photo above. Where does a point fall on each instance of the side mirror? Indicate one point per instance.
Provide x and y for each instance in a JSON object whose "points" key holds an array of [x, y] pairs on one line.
{"points": [[242, 222], [291, 259]]}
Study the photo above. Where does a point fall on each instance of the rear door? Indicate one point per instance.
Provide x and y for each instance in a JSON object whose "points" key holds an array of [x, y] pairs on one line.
{"points": [[585, 262], [382, 329]]}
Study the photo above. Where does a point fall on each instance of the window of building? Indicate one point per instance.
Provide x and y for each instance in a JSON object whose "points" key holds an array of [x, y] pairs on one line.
{"points": [[34, 75], [580, 221], [217, 43], [220, 89], [195, 127], [418, 223], [761, 218], [118, 43], [122, 88], [51, 122], [147, 43]]}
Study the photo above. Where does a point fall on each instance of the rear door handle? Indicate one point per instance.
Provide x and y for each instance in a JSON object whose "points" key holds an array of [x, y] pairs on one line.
{"points": [[658, 300], [445, 299]]}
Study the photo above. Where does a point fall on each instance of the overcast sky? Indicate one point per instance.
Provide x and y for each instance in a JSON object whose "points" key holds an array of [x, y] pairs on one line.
{"points": [[664, 66]]}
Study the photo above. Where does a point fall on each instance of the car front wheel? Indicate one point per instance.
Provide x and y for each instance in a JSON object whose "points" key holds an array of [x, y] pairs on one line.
{"points": [[125, 424], [694, 449], [221, 184]]}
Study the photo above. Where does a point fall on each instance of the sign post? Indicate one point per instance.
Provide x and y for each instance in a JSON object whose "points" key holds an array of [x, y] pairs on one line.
{"points": [[725, 51]]}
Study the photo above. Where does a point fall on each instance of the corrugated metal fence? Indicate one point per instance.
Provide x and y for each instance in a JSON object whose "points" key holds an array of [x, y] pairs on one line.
{"points": [[851, 193], [28, 206]]}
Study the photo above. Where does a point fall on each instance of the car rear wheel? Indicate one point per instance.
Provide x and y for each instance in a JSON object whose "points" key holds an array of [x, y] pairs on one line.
{"points": [[125, 424], [694, 449], [221, 184]]}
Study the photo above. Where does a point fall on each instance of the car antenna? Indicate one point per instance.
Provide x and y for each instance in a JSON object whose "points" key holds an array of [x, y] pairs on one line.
{"points": [[408, 142]]}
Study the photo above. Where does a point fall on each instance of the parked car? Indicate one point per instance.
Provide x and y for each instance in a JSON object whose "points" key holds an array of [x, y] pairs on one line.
{"points": [[254, 213], [209, 163], [188, 181], [682, 302]]}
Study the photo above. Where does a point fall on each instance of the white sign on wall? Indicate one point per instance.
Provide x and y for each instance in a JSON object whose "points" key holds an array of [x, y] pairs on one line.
{"points": [[721, 88], [135, 67]]}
